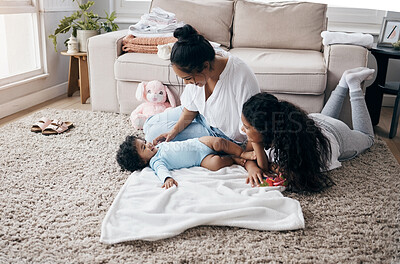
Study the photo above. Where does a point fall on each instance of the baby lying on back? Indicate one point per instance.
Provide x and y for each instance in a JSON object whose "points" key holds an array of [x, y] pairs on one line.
{"points": [[135, 154]]}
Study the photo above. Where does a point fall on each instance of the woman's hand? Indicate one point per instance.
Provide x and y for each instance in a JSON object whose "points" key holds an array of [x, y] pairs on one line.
{"points": [[185, 119], [169, 182], [165, 137]]}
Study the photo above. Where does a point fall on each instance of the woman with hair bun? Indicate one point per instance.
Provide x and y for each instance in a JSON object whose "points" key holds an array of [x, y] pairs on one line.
{"points": [[217, 85]]}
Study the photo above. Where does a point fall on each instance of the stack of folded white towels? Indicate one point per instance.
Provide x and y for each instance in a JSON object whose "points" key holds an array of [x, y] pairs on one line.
{"points": [[158, 23]]}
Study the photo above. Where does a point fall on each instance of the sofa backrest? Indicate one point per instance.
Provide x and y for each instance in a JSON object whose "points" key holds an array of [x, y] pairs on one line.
{"points": [[212, 18], [278, 25]]}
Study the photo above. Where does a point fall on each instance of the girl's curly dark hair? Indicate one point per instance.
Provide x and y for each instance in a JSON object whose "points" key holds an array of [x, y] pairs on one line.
{"points": [[128, 157], [302, 152]]}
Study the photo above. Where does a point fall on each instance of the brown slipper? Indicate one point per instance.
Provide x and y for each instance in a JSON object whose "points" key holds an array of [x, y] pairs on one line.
{"points": [[40, 125], [57, 127]]}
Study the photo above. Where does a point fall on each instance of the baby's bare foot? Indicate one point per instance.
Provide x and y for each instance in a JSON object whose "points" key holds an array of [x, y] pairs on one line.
{"points": [[239, 161], [249, 155]]}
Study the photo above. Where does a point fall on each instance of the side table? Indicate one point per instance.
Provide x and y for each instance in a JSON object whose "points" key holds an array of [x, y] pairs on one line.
{"points": [[78, 75], [374, 92]]}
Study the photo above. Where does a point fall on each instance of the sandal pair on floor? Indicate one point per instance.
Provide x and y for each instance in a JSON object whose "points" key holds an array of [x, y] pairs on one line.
{"points": [[51, 127]]}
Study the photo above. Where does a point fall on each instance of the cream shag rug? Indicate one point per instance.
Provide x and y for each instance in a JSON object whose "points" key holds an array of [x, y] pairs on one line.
{"points": [[56, 190]]}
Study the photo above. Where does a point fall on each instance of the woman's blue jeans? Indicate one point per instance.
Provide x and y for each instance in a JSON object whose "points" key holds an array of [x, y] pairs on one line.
{"points": [[165, 121]]}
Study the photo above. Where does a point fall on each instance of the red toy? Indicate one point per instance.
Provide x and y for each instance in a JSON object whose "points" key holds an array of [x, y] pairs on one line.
{"points": [[274, 181]]}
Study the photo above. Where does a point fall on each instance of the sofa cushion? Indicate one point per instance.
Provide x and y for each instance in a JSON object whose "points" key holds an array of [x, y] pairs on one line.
{"points": [[212, 18], [280, 25], [309, 103], [279, 71], [286, 71], [144, 67]]}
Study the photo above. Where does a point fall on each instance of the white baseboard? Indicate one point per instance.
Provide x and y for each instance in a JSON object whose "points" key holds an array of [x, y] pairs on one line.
{"points": [[33, 99]]}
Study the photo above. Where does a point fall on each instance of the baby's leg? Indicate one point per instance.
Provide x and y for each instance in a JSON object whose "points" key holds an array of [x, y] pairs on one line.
{"points": [[215, 162], [221, 145], [228, 147]]}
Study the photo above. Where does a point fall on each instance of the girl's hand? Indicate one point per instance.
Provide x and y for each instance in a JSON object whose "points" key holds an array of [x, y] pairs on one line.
{"points": [[257, 139], [255, 177], [169, 182], [164, 137], [248, 155]]}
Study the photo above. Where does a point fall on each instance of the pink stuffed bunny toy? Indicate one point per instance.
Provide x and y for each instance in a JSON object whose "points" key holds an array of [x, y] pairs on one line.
{"points": [[155, 95]]}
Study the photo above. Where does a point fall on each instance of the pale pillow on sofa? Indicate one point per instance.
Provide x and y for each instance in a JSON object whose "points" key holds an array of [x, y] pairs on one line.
{"points": [[277, 25]]}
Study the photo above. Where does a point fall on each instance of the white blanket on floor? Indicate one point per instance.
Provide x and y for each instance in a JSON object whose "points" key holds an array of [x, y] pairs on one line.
{"points": [[143, 210]]}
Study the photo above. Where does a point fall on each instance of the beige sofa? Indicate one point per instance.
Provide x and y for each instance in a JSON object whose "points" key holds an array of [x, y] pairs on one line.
{"points": [[280, 41]]}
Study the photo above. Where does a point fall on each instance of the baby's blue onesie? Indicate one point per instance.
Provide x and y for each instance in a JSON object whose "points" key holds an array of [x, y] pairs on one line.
{"points": [[178, 154]]}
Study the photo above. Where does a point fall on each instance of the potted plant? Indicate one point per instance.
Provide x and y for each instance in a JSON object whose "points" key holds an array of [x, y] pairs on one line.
{"points": [[84, 24]]}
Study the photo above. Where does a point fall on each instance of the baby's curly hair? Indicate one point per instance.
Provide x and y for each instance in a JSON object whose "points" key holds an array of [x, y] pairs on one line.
{"points": [[128, 157]]}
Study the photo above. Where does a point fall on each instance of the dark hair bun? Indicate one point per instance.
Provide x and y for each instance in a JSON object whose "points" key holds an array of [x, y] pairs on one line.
{"points": [[191, 50], [187, 33]]}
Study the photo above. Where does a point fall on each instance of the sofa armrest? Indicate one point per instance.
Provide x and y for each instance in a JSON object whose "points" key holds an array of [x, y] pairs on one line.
{"points": [[103, 50], [339, 58]]}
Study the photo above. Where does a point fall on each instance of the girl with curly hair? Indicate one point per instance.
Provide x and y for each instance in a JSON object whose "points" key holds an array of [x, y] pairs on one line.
{"points": [[301, 147]]}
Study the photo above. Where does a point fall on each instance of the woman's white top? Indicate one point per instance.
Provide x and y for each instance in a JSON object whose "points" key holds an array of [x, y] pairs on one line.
{"points": [[223, 108]]}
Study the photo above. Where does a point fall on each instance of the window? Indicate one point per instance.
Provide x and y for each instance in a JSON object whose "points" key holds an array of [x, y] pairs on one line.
{"points": [[351, 16], [130, 11], [355, 20], [386, 5], [20, 49]]}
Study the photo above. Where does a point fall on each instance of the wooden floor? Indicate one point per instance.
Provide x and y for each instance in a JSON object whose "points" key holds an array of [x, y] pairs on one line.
{"points": [[64, 102]]}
